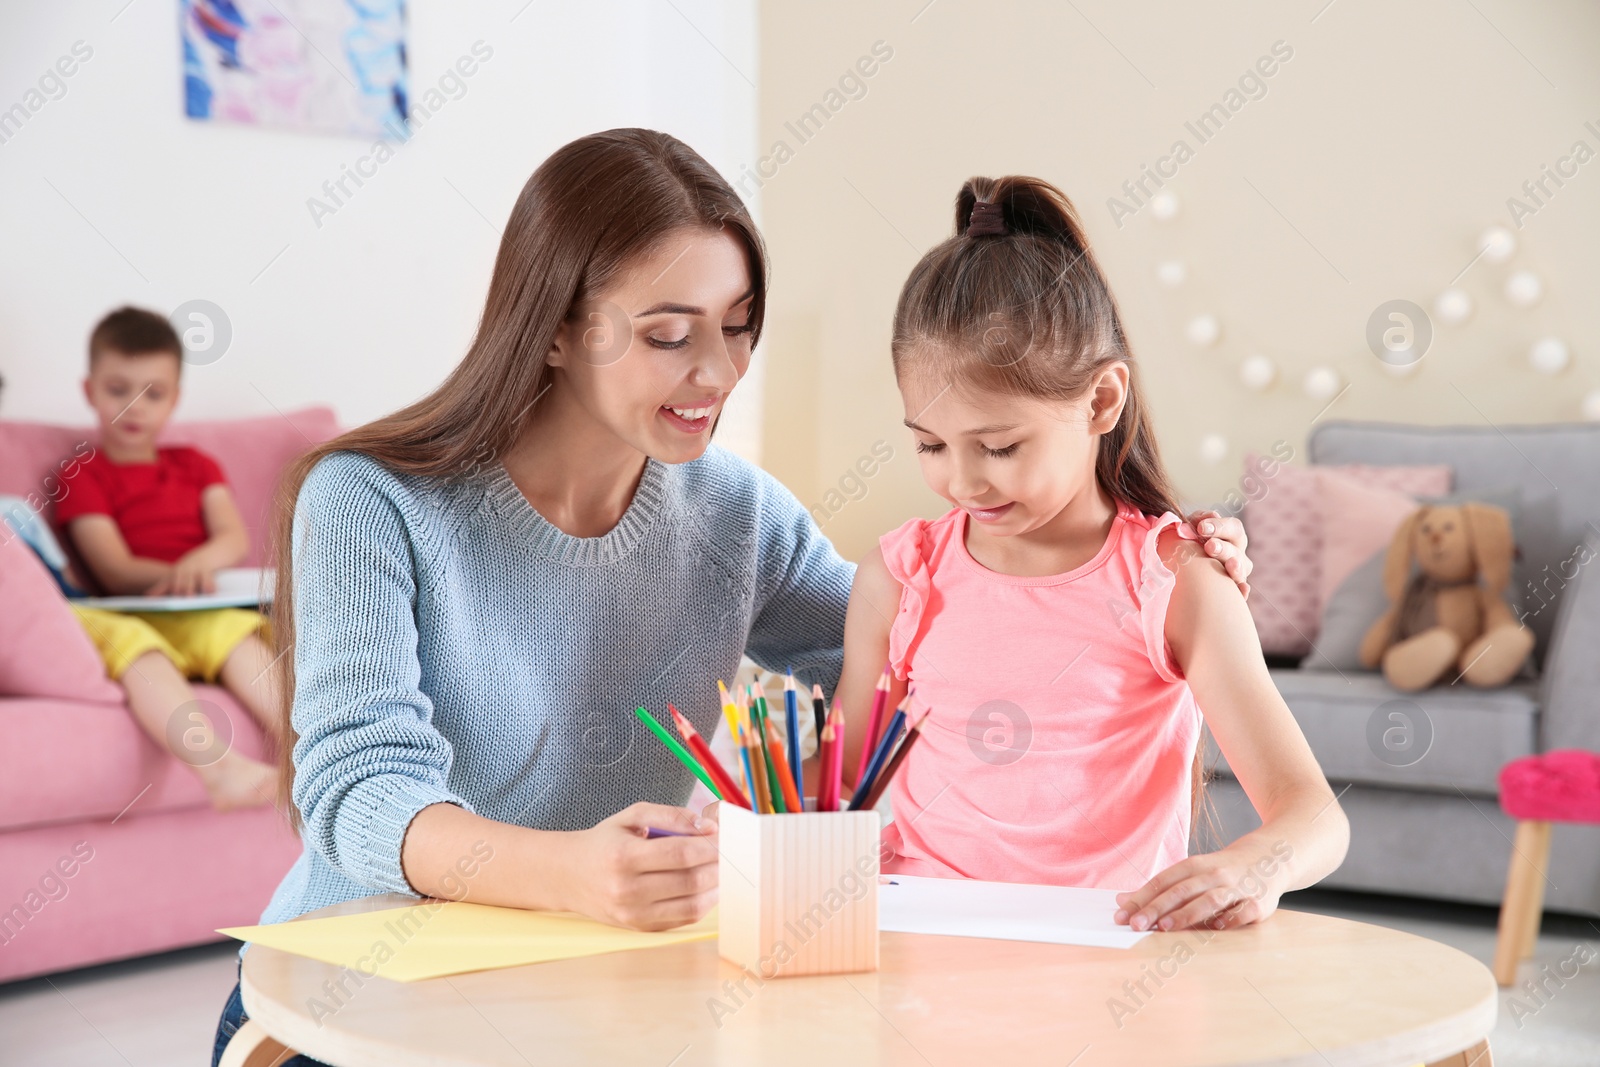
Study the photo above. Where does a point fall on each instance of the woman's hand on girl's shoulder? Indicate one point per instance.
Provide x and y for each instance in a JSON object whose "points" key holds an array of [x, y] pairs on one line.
{"points": [[1226, 542], [1236, 886]]}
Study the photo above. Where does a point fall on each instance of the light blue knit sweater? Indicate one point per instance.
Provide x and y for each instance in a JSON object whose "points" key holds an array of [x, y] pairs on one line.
{"points": [[452, 645]]}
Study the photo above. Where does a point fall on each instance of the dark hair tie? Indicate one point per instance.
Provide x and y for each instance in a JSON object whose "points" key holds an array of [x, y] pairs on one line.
{"points": [[987, 220]]}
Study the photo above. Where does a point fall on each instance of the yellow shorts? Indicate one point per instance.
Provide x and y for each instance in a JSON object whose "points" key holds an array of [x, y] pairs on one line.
{"points": [[197, 642]]}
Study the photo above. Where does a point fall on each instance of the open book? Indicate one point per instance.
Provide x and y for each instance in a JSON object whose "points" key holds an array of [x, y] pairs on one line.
{"points": [[237, 587]]}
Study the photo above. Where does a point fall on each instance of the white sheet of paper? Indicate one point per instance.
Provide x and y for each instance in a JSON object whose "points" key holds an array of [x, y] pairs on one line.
{"points": [[237, 587], [1005, 911]]}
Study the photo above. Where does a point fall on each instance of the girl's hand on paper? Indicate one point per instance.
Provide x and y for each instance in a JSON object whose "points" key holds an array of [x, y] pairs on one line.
{"points": [[620, 877], [1218, 890], [712, 813]]}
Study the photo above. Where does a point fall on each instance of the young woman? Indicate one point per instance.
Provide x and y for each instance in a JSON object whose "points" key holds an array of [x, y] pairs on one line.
{"points": [[478, 589]]}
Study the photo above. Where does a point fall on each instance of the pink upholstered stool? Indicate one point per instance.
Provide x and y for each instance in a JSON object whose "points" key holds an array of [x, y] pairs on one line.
{"points": [[1560, 786]]}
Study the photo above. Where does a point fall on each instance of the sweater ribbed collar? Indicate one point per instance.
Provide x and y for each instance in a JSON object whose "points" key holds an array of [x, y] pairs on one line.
{"points": [[546, 540]]}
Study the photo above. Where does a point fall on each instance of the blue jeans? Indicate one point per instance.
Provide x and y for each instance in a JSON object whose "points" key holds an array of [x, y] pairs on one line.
{"points": [[233, 1017]]}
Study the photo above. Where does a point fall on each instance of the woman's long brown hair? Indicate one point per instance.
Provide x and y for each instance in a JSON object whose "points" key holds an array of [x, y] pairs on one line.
{"points": [[1018, 305], [590, 211]]}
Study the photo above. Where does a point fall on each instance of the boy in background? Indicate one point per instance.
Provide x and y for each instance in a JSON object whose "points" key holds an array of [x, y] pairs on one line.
{"points": [[161, 521]]}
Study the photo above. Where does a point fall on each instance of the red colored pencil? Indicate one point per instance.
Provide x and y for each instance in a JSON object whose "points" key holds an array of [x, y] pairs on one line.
{"points": [[824, 761], [725, 784], [880, 700], [832, 759]]}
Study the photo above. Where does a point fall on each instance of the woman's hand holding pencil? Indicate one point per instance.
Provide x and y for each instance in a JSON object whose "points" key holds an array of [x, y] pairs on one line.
{"points": [[648, 867]]}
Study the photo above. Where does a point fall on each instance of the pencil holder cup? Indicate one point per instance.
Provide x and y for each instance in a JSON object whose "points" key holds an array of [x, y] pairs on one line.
{"points": [[798, 893]]}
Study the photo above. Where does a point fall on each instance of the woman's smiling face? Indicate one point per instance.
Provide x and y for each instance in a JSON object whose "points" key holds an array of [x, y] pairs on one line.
{"points": [[655, 356]]}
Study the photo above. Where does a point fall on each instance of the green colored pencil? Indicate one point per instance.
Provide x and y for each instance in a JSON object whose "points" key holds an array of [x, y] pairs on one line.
{"points": [[676, 748]]}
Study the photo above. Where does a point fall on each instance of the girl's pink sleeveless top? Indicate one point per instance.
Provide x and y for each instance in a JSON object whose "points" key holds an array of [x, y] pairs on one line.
{"points": [[1060, 745]]}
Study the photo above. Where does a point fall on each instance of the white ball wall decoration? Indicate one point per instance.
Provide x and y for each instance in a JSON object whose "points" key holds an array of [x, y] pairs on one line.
{"points": [[1452, 307], [1549, 355], [1524, 289], [1164, 205], [1172, 272], [1203, 330], [1257, 372], [1591, 406], [1497, 243], [1213, 448], [1322, 383]]}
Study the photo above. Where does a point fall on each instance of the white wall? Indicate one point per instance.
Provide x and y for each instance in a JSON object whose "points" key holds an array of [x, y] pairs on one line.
{"points": [[108, 195]]}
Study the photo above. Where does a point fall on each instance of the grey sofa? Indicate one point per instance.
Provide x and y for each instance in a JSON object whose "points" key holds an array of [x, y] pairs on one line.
{"points": [[1433, 827]]}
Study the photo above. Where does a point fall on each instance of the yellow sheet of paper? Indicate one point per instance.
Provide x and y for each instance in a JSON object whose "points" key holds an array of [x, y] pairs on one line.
{"points": [[434, 938]]}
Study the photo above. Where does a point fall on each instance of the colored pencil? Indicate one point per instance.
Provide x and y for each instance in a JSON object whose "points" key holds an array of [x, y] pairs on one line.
{"points": [[676, 748], [758, 699], [891, 733], [762, 803], [697, 745], [826, 800], [819, 708], [758, 718], [758, 753], [780, 765], [749, 774], [880, 700], [730, 710], [885, 776], [791, 720], [835, 769]]}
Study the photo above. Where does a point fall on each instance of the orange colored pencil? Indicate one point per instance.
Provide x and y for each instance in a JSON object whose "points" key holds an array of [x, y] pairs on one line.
{"points": [[697, 745], [780, 763]]}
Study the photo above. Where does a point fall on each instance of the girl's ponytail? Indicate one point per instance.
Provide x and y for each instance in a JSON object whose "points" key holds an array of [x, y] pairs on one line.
{"points": [[1026, 206]]}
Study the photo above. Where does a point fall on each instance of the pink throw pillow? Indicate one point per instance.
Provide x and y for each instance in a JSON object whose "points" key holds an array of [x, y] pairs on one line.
{"points": [[1285, 527], [43, 649], [1358, 521]]}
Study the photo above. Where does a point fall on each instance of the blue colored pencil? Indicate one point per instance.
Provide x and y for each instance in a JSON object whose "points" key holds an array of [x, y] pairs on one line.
{"points": [[891, 734]]}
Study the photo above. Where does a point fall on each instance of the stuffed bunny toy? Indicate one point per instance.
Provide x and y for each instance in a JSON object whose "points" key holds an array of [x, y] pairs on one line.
{"points": [[1450, 618]]}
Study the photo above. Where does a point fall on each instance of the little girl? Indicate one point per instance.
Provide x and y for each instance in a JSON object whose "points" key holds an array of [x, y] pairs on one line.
{"points": [[1061, 635]]}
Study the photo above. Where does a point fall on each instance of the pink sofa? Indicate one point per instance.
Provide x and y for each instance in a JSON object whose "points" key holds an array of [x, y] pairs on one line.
{"points": [[108, 846]]}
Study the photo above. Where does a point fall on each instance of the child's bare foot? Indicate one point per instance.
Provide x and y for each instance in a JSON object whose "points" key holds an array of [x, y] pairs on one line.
{"points": [[237, 781]]}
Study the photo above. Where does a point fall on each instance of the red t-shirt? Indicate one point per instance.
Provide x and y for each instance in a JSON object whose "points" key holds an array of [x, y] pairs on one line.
{"points": [[156, 505]]}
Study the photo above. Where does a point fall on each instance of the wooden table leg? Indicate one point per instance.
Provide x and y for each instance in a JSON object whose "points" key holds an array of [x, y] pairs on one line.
{"points": [[1476, 1056], [251, 1047], [1523, 904]]}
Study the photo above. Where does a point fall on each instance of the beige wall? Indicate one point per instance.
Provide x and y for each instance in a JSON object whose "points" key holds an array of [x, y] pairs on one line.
{"points": [[1378, 153]]}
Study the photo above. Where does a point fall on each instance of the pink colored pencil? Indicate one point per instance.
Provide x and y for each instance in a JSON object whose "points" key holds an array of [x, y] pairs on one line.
{"points": [[832, 773], [880, 700]]}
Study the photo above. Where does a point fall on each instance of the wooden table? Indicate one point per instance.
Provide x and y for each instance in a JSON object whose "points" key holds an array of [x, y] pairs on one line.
{"points": [[1299, 990]]}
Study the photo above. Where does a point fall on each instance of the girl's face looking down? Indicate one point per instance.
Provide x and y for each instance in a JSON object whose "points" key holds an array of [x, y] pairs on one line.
{"points": [[654, 357], [1012, 463]]}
